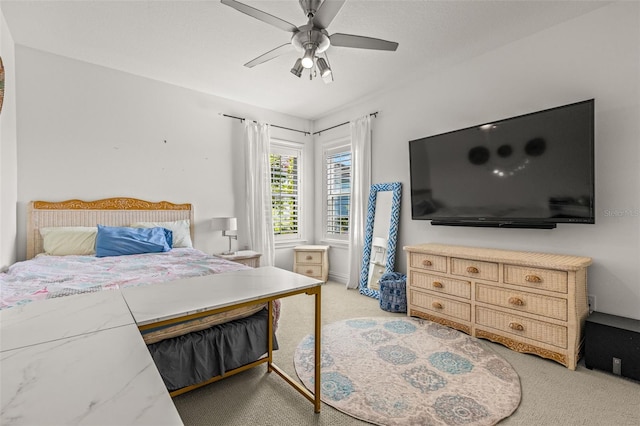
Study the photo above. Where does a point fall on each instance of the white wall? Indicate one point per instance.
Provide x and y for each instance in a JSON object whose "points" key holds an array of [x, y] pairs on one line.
{"points": [[594, 56], [91, 132], [8, 162]]}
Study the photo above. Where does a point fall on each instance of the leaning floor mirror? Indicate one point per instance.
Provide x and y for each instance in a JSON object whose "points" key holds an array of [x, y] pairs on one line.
{"points": [[381, 235]]}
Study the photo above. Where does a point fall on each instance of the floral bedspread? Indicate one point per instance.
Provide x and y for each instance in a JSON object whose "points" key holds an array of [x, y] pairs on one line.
{"points": [[45, 277]]}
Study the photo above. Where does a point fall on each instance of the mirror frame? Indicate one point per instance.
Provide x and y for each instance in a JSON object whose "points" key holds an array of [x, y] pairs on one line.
{"points": [[396, 188]]}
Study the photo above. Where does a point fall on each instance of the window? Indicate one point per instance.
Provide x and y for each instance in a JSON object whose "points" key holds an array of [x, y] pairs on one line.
{"points": [[337, 191], [285, 184]]}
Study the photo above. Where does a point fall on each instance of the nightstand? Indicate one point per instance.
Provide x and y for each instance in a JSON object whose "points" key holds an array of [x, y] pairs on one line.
{"points": [[312, 261], [246, 257]]}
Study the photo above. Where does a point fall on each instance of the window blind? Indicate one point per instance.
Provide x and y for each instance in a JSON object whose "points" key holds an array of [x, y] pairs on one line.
{"points": [[284, 194], [338, 175]]}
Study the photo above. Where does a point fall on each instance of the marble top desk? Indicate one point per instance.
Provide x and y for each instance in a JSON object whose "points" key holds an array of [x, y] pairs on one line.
{"points": [[79, 360], [190, 298]]}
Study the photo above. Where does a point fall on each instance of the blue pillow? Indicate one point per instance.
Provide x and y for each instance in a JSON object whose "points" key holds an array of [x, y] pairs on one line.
{"points": [[118, 241]]}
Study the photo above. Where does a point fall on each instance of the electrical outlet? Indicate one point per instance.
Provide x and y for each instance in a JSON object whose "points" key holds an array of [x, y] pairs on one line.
{"points": [[592, 303]]}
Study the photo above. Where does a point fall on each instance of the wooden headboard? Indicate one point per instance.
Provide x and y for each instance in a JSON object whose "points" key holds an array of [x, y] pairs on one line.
{"points": [[109, 211]]}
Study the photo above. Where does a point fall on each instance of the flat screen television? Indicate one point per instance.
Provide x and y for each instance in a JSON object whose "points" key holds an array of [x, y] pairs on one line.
{"points": [[531, 171]]}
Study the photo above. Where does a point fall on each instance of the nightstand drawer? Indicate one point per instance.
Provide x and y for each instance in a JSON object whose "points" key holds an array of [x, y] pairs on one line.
{"points": [[309, 270], [440, 305], [545, 279], [474, 269], [440, 284], [312, 261], [309, 257]]}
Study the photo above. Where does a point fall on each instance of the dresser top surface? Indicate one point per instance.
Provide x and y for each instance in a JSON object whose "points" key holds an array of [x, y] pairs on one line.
{"points": [[240, 255], [311, 248], [544, 260]]}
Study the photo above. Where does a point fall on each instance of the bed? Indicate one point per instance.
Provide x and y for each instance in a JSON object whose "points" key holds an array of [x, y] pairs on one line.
{"points": [[66, 243]]}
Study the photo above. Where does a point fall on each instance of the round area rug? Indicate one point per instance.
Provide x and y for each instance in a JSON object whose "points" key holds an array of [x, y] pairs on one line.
{"points": [[407, 371]]}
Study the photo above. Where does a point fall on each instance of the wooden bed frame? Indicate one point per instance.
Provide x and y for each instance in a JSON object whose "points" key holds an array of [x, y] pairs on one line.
{"points": [[109, 211]]}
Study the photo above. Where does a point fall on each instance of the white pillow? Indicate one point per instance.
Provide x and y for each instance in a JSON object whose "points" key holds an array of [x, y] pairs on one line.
{"points": [[180, 229], [69, 240]]}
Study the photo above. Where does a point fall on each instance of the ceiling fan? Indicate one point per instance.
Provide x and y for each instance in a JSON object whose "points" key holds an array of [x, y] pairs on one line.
{"points": [[312, 39]]}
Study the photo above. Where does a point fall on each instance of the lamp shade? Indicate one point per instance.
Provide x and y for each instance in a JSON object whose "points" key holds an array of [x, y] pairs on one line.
{"points": [[323, 67], [297, 68], [309, 54], [224, 224]]}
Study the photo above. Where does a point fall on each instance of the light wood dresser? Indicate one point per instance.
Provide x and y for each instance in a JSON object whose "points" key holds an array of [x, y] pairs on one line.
{"points": [[312, 261], [530, 302]]}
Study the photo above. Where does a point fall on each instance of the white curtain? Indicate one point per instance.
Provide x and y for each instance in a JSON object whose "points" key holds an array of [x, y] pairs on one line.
{"points": [[258, 191], [360, 186]]}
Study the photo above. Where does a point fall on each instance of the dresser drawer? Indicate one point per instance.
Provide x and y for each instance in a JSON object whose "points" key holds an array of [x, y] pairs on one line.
{"points": [[309, 257], [440, 305], [438, 284], [429, 262], [524, 327], [314, 271], [545, 279], [474, 269], [538, 304]]}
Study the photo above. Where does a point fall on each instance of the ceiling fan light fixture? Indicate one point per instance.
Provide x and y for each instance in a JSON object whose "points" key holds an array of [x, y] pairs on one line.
{"points": [[297, 68], [312, 39], [323, 67], [309, 54]]}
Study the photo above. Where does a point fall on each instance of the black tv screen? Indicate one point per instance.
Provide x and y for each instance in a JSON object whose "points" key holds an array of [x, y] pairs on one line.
{"points": [[533, 170]]}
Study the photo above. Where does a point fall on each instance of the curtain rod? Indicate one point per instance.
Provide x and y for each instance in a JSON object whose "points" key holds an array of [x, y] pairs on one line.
{"points": [[373, 114], [272, 125]]}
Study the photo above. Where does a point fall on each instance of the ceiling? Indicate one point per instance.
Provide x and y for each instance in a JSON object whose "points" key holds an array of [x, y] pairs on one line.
{"points": [[202, 45]]}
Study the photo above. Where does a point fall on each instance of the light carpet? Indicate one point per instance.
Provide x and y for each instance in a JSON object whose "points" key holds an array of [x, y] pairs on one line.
{"points": [[407, 371]]}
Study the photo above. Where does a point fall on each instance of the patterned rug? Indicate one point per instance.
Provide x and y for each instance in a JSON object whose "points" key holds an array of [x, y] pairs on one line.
{"points": [[406, 371]]}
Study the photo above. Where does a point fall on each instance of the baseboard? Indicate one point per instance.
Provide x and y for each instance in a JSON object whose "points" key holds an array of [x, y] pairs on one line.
{"points": [[341, 278]]}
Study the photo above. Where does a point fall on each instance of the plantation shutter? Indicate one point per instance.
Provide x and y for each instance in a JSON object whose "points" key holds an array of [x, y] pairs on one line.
{"points": [[338, 175], [284, 193]]}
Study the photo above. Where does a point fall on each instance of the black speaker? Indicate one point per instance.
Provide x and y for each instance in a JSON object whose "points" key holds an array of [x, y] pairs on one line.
{"points": [[612, 344]]}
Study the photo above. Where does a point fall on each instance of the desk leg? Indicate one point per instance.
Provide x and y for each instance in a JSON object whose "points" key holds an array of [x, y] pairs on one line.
{"points": [[318, 353], [311, 396], [270, 337]]}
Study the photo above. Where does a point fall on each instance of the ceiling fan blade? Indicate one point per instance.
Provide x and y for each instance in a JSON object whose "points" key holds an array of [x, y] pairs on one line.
{"points": [[327, 12], [361, 42], [280, 50], [260, 15]]}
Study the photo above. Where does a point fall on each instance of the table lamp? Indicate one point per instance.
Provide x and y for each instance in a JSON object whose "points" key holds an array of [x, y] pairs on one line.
{"points": [[226, 224]]}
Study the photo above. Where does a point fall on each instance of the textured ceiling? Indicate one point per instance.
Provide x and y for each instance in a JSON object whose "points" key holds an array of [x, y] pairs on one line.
{"points": [[202, 45]]}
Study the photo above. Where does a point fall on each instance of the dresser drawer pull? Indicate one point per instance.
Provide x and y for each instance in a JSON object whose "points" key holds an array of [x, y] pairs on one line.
{"points": [[437, 305], [309, 257], [516, 326], [309, 271], [427, 262], [516, 301], [472, 270], [437, 284], [533, 279]]}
